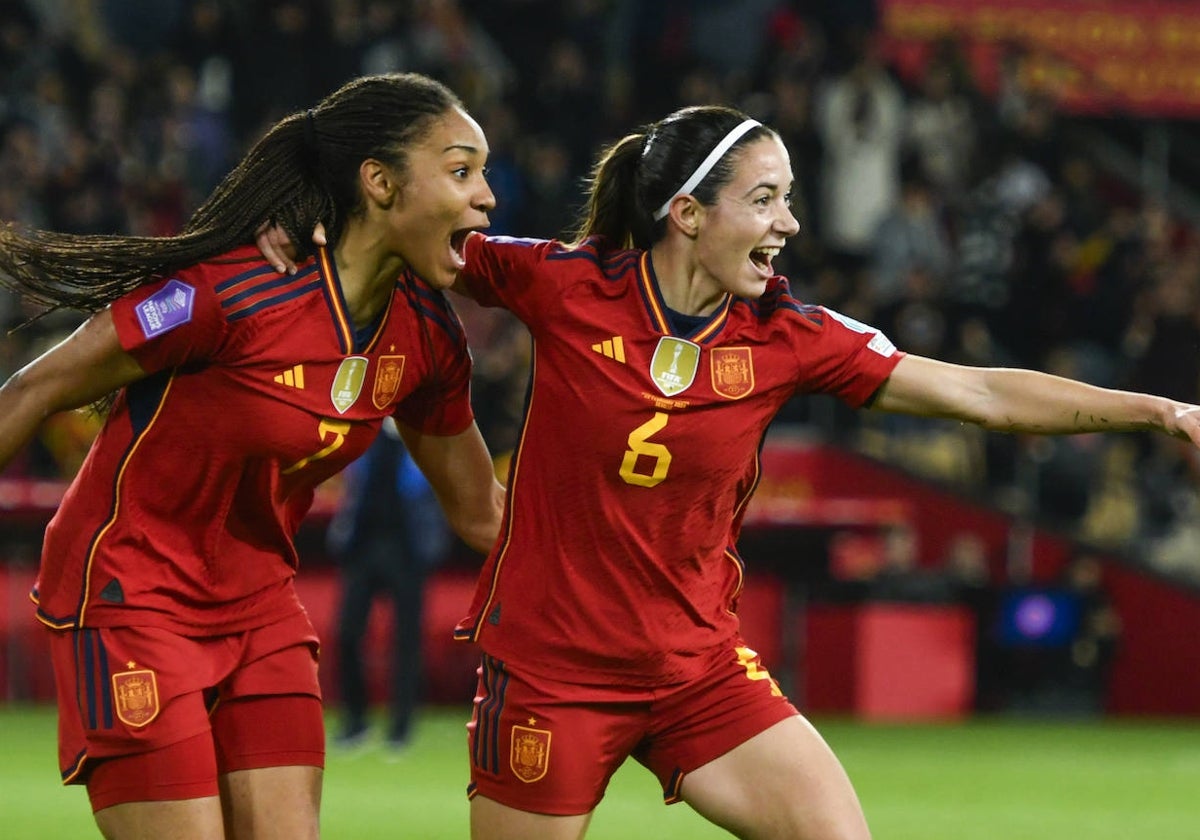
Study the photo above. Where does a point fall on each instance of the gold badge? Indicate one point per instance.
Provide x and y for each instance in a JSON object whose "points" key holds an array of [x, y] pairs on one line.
{"points": [[348, 382], [136, 695], [530, 757], [732, 371], [387, 380], [673, 367]]}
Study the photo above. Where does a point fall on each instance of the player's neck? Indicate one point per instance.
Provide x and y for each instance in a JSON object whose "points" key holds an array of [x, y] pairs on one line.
{"points": [[367, 275], [681, 283]]}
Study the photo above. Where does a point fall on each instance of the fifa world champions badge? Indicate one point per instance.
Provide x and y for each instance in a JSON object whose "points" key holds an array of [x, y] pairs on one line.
{"points": [[673, 367], [530, 756], [135, 696], [348, 382]]}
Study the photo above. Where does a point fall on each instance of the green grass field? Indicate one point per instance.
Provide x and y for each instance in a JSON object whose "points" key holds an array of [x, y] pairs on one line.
{"points": [[986, 780]]}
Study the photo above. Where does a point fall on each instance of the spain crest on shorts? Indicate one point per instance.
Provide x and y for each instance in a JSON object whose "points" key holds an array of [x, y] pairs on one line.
{"points": [[135, 695], [732, 371], [388, 373], [530, 756]]}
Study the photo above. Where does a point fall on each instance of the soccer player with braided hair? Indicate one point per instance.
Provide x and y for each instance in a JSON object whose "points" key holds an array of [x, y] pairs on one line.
{"points": [[186, 667]]}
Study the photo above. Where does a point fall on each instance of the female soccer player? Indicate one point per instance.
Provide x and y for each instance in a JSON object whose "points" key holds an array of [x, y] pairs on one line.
{"points": [[186, 667], [664, 344]]}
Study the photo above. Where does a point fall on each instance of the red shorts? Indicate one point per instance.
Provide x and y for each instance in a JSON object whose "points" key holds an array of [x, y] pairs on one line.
{"points": [[131, 691], [550, 747]]}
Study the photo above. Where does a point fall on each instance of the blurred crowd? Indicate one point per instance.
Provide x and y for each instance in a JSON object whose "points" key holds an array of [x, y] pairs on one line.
{"points": [[965, 226]]}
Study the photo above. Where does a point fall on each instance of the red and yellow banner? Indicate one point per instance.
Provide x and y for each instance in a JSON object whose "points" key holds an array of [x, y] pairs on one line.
{"points": [[1098, 56]]}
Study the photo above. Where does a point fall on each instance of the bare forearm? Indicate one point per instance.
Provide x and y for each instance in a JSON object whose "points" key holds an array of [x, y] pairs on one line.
{"points": [[460, 471], [1039, 403], [76, 372], [480, 532], [20, 415], [1029, 402]]}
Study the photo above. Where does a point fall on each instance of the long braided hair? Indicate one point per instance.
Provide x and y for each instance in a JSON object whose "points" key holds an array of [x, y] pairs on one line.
{"points": [[303, 170]]}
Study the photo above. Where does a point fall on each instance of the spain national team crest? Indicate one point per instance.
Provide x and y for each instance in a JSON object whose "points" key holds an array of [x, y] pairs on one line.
{"points": [[135, 695], [732, 371], [530, 757], [673, 367], [387, 380], [348, 382]]}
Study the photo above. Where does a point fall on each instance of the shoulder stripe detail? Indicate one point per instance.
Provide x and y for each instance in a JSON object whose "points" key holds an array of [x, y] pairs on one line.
{"points": [[283, 296], [434, 307], [235, 297], [245, 277], [814, 315], [621, 261], [573, 254], [439, 320]]}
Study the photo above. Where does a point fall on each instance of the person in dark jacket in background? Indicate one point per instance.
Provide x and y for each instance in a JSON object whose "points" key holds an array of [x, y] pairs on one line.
{"points": [[387, 535]]}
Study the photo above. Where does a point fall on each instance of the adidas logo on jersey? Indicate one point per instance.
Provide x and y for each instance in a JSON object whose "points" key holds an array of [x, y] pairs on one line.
{"points": [[293, 378], [613, 348]]}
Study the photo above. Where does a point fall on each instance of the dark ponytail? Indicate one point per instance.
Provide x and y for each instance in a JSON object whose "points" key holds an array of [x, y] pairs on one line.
{"points": [[633, 177], [612, 210]]}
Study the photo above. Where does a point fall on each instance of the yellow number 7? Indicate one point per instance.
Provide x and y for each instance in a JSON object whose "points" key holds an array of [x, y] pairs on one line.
{"points": [[338, 428], [639, 444]]}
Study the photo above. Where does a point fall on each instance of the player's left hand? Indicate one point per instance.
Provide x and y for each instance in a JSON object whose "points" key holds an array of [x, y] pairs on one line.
{"points": [[278, 248]]}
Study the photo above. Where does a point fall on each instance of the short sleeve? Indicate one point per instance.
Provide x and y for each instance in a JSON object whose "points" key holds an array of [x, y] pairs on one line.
{"points": [[841, 356], [170, 322], [442, 404], [510, 272]]}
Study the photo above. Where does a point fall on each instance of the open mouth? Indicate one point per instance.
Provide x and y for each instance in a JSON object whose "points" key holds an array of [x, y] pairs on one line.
{"points": [[458, 243], [761, 257]]}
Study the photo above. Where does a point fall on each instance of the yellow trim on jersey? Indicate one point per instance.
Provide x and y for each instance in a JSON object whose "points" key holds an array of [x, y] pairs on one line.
{"points": [[729, 555], [718, 321], [737, 510], [659, 315], [656, 313], [509, 503], [87, 568], [341, 320]]}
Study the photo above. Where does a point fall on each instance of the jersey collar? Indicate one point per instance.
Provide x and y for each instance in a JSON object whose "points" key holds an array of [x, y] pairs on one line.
{"points": [[338, 309], [656, 308]]}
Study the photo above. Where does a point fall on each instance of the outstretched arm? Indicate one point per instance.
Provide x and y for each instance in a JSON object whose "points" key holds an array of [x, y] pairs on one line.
{"points": [[86, 366], [1013, 400], [460, 470]]}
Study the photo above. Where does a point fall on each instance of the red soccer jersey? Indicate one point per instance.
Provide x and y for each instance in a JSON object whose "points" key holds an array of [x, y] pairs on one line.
{"points": [[639, 453], [184, 512]]}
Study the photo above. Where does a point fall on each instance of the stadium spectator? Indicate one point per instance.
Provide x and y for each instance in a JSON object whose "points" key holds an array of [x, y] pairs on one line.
{"points": [[861, 118], [185, 665]]}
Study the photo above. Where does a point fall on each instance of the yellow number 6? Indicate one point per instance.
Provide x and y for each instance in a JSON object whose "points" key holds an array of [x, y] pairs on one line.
{"points": [[640, 445]]}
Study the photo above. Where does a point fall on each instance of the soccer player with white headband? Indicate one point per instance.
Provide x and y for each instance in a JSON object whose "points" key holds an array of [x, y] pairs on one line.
{"points": [[664, 344]]}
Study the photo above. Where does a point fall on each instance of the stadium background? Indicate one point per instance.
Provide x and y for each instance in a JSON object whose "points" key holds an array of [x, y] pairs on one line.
{"points": [[993, 183]]}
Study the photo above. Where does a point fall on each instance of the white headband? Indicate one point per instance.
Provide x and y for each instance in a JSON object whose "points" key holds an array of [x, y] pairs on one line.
{"points": [[706, 166]]}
